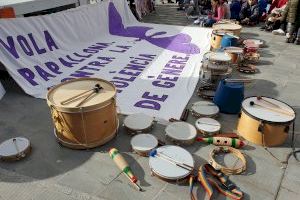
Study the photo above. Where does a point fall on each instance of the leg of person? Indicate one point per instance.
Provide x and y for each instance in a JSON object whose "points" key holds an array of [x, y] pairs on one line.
{"points": [[280, 31], [297, 41], [209, 22], [289, 33]]}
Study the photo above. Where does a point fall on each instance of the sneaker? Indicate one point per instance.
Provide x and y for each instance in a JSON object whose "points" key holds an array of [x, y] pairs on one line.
{"points": [[297, 41], [278, 32], [197, 21]]}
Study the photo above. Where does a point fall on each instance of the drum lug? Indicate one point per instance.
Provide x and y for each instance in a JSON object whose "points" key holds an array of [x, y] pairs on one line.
{"points": [[286, 129], [260, 127]]}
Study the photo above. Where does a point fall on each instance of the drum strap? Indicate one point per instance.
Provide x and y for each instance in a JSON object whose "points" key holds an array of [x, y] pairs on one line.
{"points": [[227, 170], [208, 177]]}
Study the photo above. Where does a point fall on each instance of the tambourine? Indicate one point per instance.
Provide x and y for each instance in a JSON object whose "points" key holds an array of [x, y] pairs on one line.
{"points": [[208, 127], [252, 57], [204, 109], [14, 149], [138, 123], [247, 68], [142, 144], [207, 92], [181, 133]]}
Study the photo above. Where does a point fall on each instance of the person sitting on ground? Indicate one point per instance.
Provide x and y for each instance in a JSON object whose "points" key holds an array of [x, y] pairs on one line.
{"points": [[274, 15], [262, 4], [249, 14], [290, 17], [204, 9], [227, 14], [235, 8], [218, 13]]}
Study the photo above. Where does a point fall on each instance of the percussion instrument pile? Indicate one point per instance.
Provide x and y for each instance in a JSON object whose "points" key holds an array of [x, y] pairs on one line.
{"points": [[84, 115]]}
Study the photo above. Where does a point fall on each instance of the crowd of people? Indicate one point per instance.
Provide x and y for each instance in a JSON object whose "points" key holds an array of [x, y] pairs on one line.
{"points": [[281, 17]]}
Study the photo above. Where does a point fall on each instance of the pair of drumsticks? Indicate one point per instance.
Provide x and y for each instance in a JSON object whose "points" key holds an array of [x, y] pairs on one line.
{"points": [[167, 158], [274, 108], [87, 94]]}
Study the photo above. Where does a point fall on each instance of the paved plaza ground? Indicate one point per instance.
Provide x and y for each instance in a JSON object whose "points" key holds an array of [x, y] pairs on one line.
{"points": [[58, 173]]}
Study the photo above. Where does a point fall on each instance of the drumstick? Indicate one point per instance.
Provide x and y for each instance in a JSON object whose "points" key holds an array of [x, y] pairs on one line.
{"points": [[267, 101], [124, 167], [184, 115], [238, 80], [16, 146], [272, 109], [96, 91], [79, 95], [207, 123], [154, 153]]}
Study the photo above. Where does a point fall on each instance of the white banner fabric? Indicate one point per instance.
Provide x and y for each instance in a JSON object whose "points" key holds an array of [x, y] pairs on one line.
{"points": [[154, 67]]}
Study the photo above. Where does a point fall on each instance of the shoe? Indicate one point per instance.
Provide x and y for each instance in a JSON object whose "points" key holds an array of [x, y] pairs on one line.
{"points": [[263, 28], [278, 32], [290, 40], [197, 21], [297, 41]]}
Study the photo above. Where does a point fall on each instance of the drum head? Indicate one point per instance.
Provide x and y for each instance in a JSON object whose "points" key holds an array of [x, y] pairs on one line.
{"points": [[205, 108], [234, 50], [14, 148], [138, 121], [168, 170], [262, 112], [144, 142], [219, 57], [226, 26], [181, 131], [208, 125], [253, 41], [72, 88]]}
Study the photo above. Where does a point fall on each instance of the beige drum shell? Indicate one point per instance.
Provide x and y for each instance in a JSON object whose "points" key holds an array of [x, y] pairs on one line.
{"points": [[271, 135], [234, 53], [216, 38], [228, 26], [92, 125]]}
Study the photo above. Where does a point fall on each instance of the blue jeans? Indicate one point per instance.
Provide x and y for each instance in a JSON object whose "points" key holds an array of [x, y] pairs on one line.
{"points": [[210, 22]]}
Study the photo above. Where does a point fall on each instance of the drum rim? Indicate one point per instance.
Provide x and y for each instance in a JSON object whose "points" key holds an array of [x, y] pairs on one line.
{"points": [[269, 122], [144, 151], [179, 177], [197, 102], [181, 139], [62, 108], [217, 26], [14, 157], [219, 125], [134, 129]]}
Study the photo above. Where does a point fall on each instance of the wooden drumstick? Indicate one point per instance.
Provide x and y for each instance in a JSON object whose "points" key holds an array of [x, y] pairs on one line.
{"points": [[71, 99], [154, 153], [124, 167], [252, 103], [96, 91], [267, 101], [238, 80], [208, 123]]}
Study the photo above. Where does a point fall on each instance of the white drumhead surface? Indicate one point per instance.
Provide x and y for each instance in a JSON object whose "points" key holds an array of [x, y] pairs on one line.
{"points": [[168, 170], [264, 113], [227, 26], [138, 121], [144, 142], [219, 56], [8, 147], [236, 50], [205, 108], [208, 125], [181, 131], [255, 41]]}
